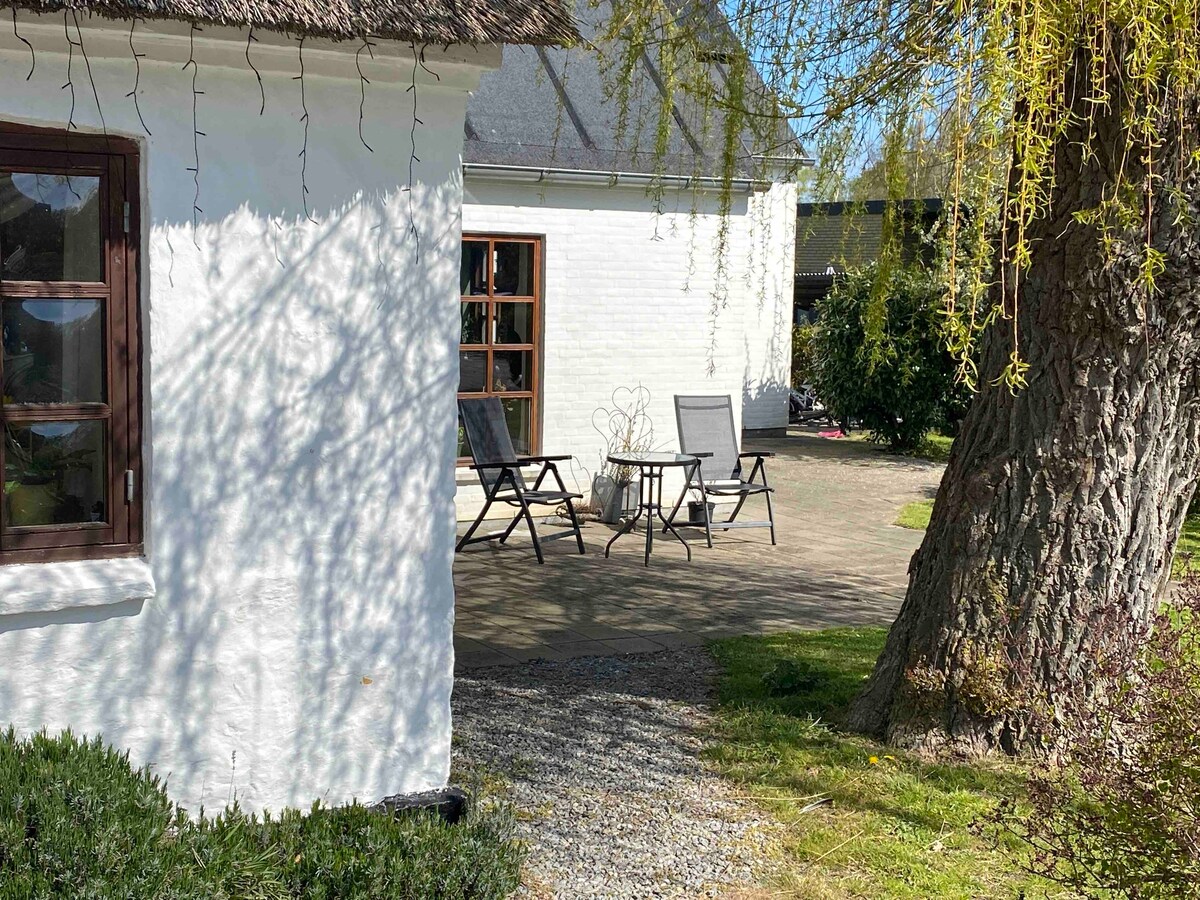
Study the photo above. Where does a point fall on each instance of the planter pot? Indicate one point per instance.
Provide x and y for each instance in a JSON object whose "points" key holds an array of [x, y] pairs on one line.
{"points": [[696, 512], [614, 500]]}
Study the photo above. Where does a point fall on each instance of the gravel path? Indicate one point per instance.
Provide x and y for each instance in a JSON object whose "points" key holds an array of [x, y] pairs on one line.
{"points": [[603, 758]]}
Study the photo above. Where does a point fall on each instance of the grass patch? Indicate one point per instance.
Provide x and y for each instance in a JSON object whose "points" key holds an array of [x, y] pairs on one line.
{"points": [[898, 826], [1187, 551], [915, 515], [934, 447]]}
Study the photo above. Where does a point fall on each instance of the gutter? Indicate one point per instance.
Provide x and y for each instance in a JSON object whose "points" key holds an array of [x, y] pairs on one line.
{"points": [[805, 162], [545, 175]]}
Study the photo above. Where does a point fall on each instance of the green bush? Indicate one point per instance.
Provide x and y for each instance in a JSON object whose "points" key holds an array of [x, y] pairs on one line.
{"points": [[880, 358], [803, 370], [76, 820]]}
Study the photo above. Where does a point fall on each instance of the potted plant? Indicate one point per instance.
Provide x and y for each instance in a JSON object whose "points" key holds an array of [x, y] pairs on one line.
{"points": [[626, 428]]}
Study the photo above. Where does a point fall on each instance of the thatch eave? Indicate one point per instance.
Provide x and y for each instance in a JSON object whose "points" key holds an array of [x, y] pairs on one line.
{"points": [[475, 22]]}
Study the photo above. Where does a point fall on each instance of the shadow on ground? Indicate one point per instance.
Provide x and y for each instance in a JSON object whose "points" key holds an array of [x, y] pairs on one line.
{"points": [[839, 561]]}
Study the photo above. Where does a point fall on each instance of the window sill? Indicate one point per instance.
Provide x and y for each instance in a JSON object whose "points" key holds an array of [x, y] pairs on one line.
{"points": [[48, 587]]}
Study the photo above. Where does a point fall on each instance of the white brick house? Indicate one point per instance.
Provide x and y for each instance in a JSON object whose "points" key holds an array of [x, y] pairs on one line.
{"points": [[630, 289], [227, 387]]}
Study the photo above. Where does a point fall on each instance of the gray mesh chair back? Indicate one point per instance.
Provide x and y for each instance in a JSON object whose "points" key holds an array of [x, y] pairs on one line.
{"points": [[706, 426], [487, 433], [499, 469]]}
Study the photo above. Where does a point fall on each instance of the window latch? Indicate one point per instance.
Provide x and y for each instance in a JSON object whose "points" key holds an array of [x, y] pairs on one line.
{"points": [[129, 485], [125, 217]]}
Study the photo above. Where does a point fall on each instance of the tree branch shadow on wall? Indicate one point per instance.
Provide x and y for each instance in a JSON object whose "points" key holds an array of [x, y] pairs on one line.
{"points": [[297, 522]]}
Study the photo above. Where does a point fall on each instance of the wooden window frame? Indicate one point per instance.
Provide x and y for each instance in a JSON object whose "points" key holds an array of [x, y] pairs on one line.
{"points": [[534, 347], [116, 160]]}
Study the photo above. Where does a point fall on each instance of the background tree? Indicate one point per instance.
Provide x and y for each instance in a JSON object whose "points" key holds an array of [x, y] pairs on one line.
{"points": [[897, 383], [1071, 127]]}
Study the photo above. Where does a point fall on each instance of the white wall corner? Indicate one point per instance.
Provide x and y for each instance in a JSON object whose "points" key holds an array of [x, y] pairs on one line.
{"points": [[47, 587]]}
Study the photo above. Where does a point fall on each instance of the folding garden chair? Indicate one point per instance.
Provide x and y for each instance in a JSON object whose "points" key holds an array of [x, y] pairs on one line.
{"points": [[706, 426], [499, 469]]}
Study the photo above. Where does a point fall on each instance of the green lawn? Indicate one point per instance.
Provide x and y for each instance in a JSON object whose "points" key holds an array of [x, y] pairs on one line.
{"points": [[1187, 551], [915, 515], [888, 825], [935, 447]]}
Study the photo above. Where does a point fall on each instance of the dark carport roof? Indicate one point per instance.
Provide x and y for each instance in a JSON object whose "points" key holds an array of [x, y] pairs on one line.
{"points": [[546, 22]]}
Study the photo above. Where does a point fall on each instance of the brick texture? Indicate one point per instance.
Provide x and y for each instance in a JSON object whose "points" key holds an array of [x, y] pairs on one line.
{"points": [[633, 298]]}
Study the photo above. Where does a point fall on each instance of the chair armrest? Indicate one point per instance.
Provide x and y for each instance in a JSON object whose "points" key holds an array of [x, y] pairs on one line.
{"points": [[756, 454], [478, 467], [532, 460]]}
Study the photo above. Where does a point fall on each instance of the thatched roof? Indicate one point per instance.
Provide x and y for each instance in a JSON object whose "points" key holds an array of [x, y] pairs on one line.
{"points": [[545, 22]]}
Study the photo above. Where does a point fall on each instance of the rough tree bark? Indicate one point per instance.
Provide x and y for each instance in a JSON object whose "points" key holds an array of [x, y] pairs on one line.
{"points": [[1055, 523]]}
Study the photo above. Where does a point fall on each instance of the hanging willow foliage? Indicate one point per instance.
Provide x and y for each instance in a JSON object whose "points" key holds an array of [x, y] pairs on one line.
{"points": [[981, 94]]}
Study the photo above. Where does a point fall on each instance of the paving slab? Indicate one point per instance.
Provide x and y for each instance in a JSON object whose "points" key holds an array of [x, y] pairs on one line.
{"points": [[839, 561]]}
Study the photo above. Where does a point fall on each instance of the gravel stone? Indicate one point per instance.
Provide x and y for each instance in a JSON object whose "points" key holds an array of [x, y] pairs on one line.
{"points": [[602, 759]]}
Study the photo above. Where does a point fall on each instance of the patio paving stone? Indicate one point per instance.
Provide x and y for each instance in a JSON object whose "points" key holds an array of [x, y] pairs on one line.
{"points": [[839, 561], [633, 645]]}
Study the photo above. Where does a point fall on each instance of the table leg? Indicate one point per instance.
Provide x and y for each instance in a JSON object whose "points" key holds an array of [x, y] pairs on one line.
{"points": [[625, 529], [679, 537], [647, 501]]}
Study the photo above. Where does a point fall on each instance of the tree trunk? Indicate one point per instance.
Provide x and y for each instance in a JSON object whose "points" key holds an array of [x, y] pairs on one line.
{"points": [[1055, 524]]}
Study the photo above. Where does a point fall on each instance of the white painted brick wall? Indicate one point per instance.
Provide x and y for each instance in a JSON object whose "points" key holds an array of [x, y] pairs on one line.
{"points": [[768, 308], [629, 299], [299, 382]]}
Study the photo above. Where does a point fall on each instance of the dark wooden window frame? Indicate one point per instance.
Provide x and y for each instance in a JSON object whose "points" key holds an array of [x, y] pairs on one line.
{"points": [[116, 161], [533, 394]]}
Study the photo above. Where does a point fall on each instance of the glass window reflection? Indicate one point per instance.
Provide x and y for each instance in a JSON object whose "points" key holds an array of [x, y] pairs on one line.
{"points": [[54, 474], [53, 351], [50, 227]]}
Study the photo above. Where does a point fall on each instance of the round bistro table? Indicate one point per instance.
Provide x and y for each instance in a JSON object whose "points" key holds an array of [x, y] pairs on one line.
{"points": [[651, 466]]}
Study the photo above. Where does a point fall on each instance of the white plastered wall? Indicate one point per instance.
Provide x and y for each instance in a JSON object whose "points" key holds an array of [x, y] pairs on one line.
{"points": [[634, 297], [299, 419]]}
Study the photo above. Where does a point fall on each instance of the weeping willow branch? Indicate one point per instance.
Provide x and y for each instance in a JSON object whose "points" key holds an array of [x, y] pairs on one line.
{"points": [[32, 55], [137, 76], [972, 99]]}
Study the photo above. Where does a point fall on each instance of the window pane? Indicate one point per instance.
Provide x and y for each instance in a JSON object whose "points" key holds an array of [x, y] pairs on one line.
{"points": [[473, 269], [54, 473], [510, 370], [518, 411], [514, 270], [53, 351], [514, 323], [474, 323], [50, 227], [472, 371]]}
